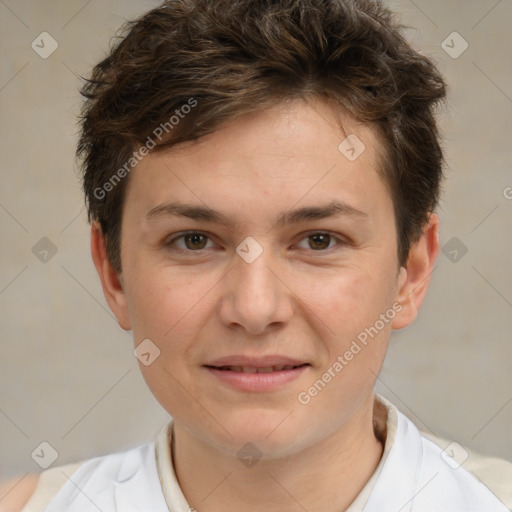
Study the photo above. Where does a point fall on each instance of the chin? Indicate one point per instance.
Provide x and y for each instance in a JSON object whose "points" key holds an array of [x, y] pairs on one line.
{"points": [[273, 433]]}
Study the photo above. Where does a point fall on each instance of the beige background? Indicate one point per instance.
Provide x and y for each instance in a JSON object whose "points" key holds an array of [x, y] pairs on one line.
{"points": [[67, 372]]}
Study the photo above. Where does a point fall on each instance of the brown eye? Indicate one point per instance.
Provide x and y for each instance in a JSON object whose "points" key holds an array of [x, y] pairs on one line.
{"points": [[195, 241], [319, 241], [192, 241]]}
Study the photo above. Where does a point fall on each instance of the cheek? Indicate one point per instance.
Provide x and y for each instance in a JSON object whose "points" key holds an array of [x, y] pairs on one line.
{"points": [[171, 307], [167, 309], [159, 300], [349, 301], [351, 305]]}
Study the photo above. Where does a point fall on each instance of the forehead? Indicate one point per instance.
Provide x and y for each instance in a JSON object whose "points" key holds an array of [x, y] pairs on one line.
{"points": [[294, 152]]}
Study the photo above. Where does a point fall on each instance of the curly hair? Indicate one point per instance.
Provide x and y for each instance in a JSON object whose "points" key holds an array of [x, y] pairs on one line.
{"points": [[182, 70]]}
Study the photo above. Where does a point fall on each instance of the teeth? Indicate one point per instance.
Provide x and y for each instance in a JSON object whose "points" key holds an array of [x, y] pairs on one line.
{"points": [[252, 369], [268, 369]]}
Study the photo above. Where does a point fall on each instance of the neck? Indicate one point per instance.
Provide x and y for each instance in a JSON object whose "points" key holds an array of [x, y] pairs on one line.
{"points": [[327, 476]]}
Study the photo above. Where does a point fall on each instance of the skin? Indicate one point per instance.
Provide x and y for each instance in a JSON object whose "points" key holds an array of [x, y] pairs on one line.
{"points": [[297, 299], [15, 493], [294, 300]]}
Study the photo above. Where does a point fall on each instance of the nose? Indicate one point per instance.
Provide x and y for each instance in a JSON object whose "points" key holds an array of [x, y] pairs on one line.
{"points": [[255, 298]]}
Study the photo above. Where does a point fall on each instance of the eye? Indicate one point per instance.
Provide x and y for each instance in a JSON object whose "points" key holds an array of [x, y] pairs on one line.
{"points": [[192, 241], [318, 241]]}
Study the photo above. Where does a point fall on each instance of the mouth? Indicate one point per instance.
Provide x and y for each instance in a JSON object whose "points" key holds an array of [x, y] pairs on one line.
{"points": [[257, 369], [256, 379]]}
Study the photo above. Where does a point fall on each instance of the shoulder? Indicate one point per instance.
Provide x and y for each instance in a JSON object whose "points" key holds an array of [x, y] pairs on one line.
{"points": [[128, 478], [117, 481], [15, 493], [57, 486], [438, 474], [32, 492], [462, 463]]}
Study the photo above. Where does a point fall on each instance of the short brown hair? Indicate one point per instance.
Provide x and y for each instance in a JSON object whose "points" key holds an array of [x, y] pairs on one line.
{"points": [[224, 58]]}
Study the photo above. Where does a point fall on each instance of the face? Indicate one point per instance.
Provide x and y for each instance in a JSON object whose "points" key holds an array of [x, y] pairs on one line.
{"points": [[263, 246]]}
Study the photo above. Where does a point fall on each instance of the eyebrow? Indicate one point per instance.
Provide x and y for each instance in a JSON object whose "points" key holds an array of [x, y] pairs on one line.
{"points": [[205, 213]]}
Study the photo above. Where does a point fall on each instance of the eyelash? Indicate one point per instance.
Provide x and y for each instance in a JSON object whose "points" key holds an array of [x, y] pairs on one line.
{"points": [[171, 243]]}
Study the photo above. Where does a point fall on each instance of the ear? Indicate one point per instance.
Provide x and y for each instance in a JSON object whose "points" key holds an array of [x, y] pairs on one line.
{"points": [[111, 281], [415, 276]]}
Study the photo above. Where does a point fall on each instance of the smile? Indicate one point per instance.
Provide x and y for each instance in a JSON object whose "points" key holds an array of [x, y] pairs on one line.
{"points": [[254, 369], [256, 379]]}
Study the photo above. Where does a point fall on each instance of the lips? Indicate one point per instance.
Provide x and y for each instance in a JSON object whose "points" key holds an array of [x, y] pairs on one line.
{"points": [[262, 362], [256, 374], [255, 369]]}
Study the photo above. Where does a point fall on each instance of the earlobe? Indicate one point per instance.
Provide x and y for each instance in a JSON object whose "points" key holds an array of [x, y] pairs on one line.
{"points": [[111, 281], [414, 278]]}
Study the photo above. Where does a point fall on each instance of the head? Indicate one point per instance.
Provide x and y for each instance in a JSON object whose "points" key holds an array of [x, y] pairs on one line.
{"points": [[261, 178]]}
